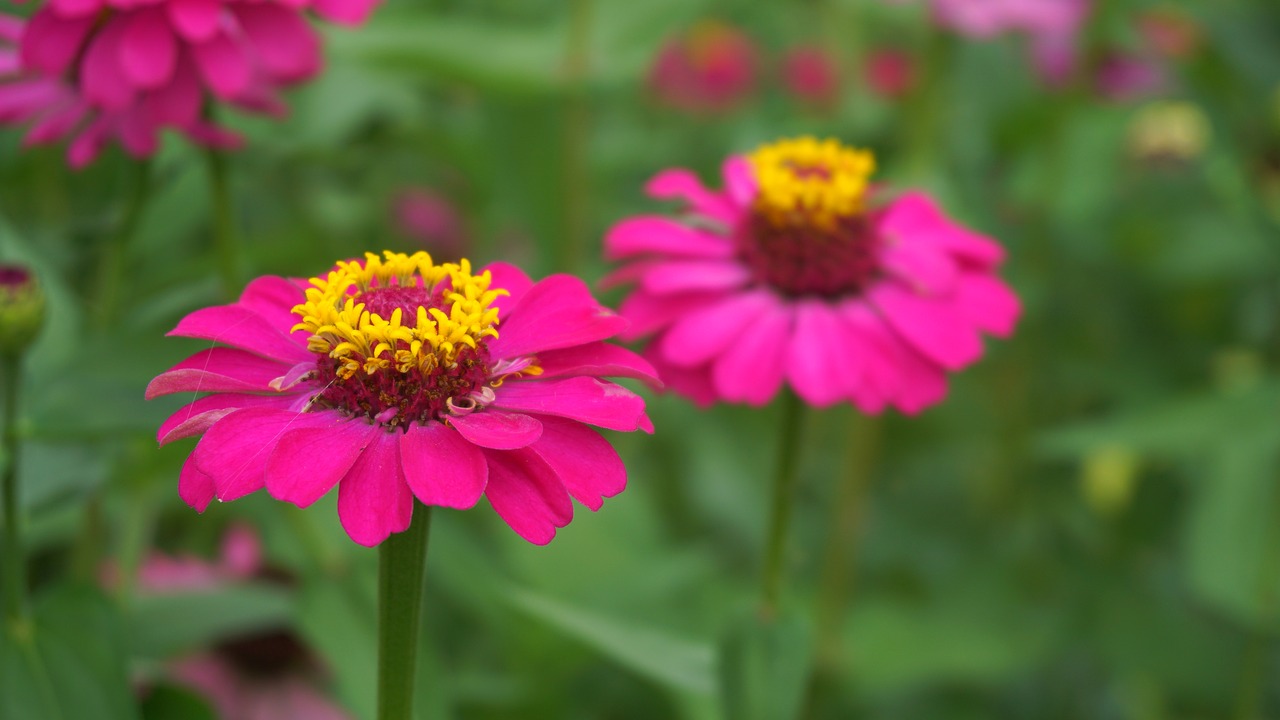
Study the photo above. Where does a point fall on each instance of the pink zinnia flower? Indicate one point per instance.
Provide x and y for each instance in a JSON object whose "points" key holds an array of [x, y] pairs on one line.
{"points": [[801, 273], [711, 68], [122, 70], [889, 72], [811, 74], [388, 379], [1124, 77], [988, 18], [431, 219]]}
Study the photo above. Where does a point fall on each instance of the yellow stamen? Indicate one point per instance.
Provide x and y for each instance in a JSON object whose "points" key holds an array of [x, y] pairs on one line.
{"points": [[810, 182], [345, 330]]}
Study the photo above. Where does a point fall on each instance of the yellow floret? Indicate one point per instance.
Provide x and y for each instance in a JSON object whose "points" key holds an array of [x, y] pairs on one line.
{"points": [[810, 182]]}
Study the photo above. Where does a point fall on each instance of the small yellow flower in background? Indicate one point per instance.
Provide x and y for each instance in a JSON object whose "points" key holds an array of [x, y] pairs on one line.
{"points": [[1108, 478], [1171, 130]]}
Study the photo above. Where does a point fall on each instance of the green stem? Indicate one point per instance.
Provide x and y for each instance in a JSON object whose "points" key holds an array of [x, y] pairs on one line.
{"points": [[111, 271], [784, 486], [576, 126], [401, 562], [14, 563], [224, 224]]}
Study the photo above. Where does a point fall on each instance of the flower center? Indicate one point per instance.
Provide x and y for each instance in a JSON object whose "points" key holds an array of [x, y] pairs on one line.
{"points": [[808, 232], [399, 338]]}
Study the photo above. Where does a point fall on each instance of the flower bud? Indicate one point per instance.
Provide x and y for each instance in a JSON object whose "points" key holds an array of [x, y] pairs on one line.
{"points": [[21, 309]]}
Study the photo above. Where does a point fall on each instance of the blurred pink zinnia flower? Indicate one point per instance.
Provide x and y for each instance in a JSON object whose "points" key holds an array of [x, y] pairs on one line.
{"points": [[388, 378], [709, 69], [889, 72], [103, 70], [797, 274], [811, 74], [431, 219], [988, 18]]}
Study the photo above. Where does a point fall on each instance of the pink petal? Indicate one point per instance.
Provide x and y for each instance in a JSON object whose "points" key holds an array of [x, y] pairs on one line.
{"points": [[891, 370], [584, 399], [509, 278], [11, 28], [705, 331], [196, 417], [20, 101], [587, 464], [137, 133], [102, 77], [526, 493], [56, 123], [52, 40], [815, 367], [649, 313], [914, 217], [557, 312], [217, 369], [235, 450], [683, 184], [148, 49], [441, 467], [240, 327], [195, 20], [662, 236], [926, 268], [751, 370], [597, 359], [497, 430], [344, 12], [692, 383], [934, 327], [89, 143], [241, 551], [308, 461], [739, 181], [194, 487], [373, 499], [988, 304], [178, 102], [224, 65], [274, 298], [696, 276], [76, 8], [282, 40]]}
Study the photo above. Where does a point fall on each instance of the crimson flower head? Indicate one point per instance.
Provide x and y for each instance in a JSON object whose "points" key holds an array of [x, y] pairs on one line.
{"points": [[801, 272], [394, 377], [811, 75], [122, 70], [709, 69]]}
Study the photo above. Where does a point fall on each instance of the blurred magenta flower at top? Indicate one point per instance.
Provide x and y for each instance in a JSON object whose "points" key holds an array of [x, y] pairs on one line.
{"points": [[387, 377], [709, 69], [889, 72], [122, 70], [801, 272], [811, 75], [1125, 77], [431, 219], [989, 18]]}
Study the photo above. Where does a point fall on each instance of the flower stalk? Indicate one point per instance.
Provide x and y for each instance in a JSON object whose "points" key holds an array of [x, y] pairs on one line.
{"points": [[784, 491], [14, 564], [112, 268], [225, 243], [401, 564]]}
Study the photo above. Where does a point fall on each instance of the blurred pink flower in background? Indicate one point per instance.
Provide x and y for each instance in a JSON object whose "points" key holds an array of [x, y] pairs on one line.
{"points": [[810, 74], [1125, 77], [709, 69], [268, 675], [989, 18], [117, 70], [801, 273], [432, 220], [889, 72]]}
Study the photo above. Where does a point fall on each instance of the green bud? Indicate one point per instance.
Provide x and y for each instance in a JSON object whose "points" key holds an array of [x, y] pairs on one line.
{"points": [[21, 309]]}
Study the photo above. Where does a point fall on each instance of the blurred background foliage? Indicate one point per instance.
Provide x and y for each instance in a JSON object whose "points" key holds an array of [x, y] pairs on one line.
{"points": [[1089, 526]]}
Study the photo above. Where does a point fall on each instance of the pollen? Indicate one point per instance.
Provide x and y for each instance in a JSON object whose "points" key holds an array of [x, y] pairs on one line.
{"points": [[810, 183]]}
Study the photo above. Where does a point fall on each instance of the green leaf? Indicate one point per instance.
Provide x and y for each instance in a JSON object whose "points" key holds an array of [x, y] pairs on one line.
{"points": [[671, 661], [161, 625], [764, 668], [341, 626]]}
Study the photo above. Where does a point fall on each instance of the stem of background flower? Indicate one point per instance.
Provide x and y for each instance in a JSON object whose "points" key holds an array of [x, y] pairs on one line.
{"points": [[14, 562], [576, 126], [925, 108], [224, 223], [401, 562], [111, 271], [784, 487]]}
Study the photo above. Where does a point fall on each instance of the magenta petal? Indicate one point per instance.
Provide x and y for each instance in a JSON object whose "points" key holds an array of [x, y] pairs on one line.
{"points": [[234, 451], [914, 217], [497, 430], [224, 65], [102, 77], [557, 312], [218, 369], [148, 49], [344, 12], [178, 102], [281, 39], [22, 100], [513, 280], [597, 359], [935, 327], [274, 298], [693, 383], [194, 487], [926, 268], [988, 304], [374, 499], [239, 327], [195, 20], [739, 181], [526, 493], [650, 313], [679, 183], [309, 460], [702, 334], [662, 236], [891, 370], [751, 369], [587, 464], [584, 399], [815, 367], [196, 417], [52, 41], [441, 467], [695, 276]]}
